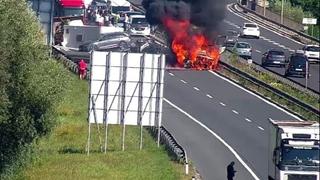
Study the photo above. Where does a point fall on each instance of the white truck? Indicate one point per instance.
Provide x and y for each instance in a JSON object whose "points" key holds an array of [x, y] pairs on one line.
{"points": [[293, 150]]}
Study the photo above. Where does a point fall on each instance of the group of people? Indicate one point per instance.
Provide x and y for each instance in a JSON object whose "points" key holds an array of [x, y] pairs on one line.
{"points": [[102, 16]]}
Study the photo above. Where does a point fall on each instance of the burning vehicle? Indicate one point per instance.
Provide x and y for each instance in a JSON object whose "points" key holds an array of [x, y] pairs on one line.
{"points": [[191, 47], [191, 27]]}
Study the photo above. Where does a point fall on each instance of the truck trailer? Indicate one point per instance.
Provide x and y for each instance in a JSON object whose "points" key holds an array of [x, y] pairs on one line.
{"points": [[293, 150]]}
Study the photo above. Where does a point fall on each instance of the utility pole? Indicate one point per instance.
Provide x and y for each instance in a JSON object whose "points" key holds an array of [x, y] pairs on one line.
{"points": [[282, 4]]}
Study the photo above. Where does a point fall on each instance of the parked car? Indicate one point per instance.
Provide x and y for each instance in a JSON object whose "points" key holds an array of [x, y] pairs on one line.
{"points": [[243, 49], [231, 38], [312, 52], [274, 57], [139, 25], [297, 65], [110, 40], [250, 29]]}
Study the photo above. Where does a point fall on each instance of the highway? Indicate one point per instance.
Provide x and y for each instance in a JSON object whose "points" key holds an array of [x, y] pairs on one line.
{"points": [[237, 116], [218, 122], [268, 40]]}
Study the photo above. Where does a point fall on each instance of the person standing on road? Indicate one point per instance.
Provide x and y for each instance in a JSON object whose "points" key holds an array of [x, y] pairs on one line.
{"points": [[230, 171], [82, 69]]}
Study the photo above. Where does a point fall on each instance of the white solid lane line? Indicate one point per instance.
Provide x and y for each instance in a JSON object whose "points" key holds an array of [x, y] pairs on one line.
{"points": [[197, 89], [222, 104], [183, 81], [217, 136], [260, 128], [171, 74], [252, 93], [248, 120], [234, 111], [209, 96]]}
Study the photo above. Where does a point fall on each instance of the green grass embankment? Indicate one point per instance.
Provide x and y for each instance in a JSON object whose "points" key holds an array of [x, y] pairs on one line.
{"points": [[62, 155]]}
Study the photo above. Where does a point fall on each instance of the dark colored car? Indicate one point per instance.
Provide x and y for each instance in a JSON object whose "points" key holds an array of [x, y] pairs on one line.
{"points": [[231, 38], [297, 65], [107, 41], [274, 57]]}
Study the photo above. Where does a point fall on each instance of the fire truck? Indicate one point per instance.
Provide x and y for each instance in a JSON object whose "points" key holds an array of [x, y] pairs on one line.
{"points": [[293, 150], [69, 9]]}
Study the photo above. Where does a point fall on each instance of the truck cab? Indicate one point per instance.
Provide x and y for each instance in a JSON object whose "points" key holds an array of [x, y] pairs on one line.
{"points": [[293, 150], [69, 8]]}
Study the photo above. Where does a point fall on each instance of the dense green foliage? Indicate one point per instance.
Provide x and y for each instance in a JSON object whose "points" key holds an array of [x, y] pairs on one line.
{"points": [[31, 84], [299, 9], [312, 6]]}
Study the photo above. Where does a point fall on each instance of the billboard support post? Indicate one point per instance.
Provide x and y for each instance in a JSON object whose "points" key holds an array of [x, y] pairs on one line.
{"points": [[95, 121], [105, 113], [123, 97], [140, 100]]}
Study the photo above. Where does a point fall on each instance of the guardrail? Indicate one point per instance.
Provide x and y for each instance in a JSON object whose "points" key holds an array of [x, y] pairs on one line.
{"points": [[275, 91], [69, 64], [279, 24], [170, 143], [166, 137]]}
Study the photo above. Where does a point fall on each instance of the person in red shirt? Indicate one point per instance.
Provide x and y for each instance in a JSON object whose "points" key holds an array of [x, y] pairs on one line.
{"points": [[82, 69]]}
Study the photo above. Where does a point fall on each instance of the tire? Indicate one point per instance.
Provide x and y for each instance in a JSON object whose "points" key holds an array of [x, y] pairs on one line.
{"points": [[93, 48], [123, 45], [286, 74]]}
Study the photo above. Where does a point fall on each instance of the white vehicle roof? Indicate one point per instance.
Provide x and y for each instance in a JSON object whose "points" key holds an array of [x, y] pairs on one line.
{"points": [[312, 45], [120, 3], [137, 16]]}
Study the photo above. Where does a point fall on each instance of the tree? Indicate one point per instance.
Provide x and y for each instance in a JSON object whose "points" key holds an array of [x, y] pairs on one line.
{"points": [[31, 84]]}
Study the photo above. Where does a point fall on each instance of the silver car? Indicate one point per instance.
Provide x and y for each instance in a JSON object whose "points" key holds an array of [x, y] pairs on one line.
{"points": [[231, 38], [107, 41], [243, 49]]}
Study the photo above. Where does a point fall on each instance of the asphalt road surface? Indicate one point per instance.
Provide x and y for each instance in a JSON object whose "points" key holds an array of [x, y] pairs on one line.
{"points": [[269, 40], [237, 116]]}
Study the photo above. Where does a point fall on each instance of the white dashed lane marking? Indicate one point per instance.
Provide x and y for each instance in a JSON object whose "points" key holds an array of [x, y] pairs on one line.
{"points": [[222, 104], [197, 89], [234, 111], [248, 120], [260, 128], [183, 81], [258, 51], [171, 74], [209, 96]]}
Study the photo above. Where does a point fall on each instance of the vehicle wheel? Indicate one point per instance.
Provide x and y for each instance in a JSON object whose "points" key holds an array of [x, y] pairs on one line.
{"points": [[286, 74], [93, 48], [257, 37], [123, 45]]}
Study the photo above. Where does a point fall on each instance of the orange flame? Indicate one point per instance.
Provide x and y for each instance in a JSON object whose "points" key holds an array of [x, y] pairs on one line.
{"points": [[192, 47]]}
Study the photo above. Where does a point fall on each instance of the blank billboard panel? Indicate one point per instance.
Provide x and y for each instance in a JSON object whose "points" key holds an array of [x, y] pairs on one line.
{"points": [[126, 88]]}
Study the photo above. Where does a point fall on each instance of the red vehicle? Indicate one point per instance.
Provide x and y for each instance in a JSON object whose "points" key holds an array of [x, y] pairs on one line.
{"points": [[70, 8]]}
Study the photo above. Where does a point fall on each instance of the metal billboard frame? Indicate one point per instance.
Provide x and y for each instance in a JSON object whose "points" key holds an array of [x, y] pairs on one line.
{"points": [[151, 98]]}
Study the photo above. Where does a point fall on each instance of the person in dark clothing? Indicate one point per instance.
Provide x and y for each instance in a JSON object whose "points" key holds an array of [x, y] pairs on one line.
{"points": [[230, 171]]}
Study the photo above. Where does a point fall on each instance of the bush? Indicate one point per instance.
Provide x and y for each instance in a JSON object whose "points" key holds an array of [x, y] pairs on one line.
{"points": [[31, 84], [291, 12]]}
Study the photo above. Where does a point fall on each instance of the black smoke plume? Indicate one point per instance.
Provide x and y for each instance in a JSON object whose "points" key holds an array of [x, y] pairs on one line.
{"points": [[205, 14]]}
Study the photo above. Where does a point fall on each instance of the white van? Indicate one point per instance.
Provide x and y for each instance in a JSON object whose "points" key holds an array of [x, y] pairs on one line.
{"points": [[139, 25]]}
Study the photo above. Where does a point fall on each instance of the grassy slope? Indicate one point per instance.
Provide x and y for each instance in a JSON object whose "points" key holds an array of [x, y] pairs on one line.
{"points": [[62, 155]]}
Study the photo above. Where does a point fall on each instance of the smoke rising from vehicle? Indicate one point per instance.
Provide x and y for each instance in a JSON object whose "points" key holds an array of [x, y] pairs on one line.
{"points": [[205, 14]]}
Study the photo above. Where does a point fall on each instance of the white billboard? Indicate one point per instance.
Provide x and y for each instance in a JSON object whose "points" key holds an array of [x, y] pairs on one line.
{"points": [[126, 88]]}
